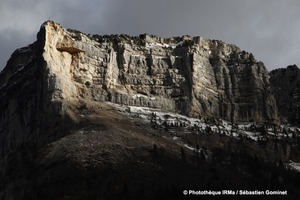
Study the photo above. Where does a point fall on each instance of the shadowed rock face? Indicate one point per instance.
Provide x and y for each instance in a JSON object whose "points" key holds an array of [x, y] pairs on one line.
{"points": [[46, 85], [286, 86]]}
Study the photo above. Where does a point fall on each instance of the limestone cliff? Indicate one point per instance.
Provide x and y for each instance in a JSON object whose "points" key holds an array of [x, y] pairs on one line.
{"points": [[285, 83], [189, 75]]}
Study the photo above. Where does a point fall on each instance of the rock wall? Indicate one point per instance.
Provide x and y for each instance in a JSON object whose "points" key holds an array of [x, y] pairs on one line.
{"points": [[189, 75], [32, 112], [285, 84]]}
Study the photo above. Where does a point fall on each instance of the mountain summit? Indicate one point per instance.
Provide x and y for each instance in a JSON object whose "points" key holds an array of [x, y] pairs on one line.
{"points": [[65, 132]]}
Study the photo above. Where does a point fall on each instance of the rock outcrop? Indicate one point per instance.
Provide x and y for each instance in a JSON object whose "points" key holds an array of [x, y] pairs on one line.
{"points": [[285, 84], [189, 75]]}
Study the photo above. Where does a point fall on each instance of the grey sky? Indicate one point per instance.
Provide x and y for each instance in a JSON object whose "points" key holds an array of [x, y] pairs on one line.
{"points": [[270, 29]]}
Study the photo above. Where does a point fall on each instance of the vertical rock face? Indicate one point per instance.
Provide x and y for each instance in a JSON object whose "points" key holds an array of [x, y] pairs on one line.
{"points": [[286, 86], [188, 75], [231, 84]]}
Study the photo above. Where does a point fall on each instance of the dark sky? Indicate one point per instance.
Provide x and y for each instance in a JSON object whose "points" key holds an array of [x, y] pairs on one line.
{"points": [[270, 29]]}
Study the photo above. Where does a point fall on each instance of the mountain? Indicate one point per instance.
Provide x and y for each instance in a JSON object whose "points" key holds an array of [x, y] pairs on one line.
{"points": [[121, 117]]}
